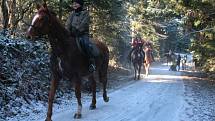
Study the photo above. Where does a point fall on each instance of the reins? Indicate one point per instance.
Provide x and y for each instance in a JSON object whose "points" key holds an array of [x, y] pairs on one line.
{"points": [[27, 23]]}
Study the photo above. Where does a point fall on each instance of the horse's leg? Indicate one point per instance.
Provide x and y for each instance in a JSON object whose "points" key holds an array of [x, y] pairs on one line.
{"points": [[144, 71], [140, 64], [182, 66], [93, 84], [53, 88], [135, 71], [103, 80], [166, 61], [147, 69], [78, 96], [56, 77], [179, 67]]}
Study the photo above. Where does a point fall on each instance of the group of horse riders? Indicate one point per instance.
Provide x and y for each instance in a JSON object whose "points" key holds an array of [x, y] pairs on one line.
{"points": [[67, 57], [177, 61], [78, 25], [146, 48]]}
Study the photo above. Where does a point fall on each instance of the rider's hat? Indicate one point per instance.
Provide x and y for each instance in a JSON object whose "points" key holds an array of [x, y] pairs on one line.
{"points": [[81, 2]]}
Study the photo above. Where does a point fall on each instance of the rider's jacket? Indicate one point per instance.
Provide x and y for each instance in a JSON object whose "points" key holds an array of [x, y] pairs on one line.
{"points": [[80, 21]]}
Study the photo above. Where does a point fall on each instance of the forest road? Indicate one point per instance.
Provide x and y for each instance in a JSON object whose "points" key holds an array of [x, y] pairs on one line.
{"points": [[158, 97]]}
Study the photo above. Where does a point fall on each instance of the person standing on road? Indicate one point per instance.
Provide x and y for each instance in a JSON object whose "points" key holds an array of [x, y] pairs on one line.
{"points": [[178, 62]]}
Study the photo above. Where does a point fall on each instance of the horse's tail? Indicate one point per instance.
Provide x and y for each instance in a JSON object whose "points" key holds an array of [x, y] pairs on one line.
{"points": [[143, 55], [104, 65], [104, 70], [103, 60]]}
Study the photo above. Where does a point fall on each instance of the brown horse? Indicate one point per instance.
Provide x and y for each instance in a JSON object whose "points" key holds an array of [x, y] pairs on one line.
{"points": [[169, 58], [148, 58], [67, 59], [137, 57]]}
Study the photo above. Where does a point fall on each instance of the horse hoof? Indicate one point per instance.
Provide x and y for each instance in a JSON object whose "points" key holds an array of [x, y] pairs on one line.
{"points": [[77, 116], [48, 119], [106, 99], [92, 107]]}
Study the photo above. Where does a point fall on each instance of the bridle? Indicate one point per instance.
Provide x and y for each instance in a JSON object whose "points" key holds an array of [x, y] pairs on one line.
{"points": [[46, 21], [26, 23]]}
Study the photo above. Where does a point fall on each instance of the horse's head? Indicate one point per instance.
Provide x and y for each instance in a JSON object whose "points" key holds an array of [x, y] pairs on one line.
{"points": [[41, 22], [139, 47]]}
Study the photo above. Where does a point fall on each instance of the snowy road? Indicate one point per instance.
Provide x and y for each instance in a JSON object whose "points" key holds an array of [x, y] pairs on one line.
{"points": [[158, 97]]}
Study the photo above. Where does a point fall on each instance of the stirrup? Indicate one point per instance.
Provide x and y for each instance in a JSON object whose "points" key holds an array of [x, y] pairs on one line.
{"points": [[92, 68]]}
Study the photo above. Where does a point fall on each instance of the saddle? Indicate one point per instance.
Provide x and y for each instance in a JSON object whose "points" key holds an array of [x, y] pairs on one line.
{"points": [[87, 47]]}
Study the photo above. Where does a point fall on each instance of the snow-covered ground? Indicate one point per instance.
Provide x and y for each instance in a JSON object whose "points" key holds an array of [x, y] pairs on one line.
{"points": [[162, 96], [158, 97]]}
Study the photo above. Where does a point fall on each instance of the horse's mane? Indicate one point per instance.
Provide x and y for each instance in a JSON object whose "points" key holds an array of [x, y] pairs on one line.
{"points": [[56, 23]]}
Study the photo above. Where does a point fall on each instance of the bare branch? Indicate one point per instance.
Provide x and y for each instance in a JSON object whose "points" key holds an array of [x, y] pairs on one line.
{"points": [[208, 29]]}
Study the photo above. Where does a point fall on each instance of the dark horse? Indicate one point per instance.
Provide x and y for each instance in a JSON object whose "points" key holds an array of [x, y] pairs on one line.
{"points": [[67, 59], [169, 58], [137, 58]]}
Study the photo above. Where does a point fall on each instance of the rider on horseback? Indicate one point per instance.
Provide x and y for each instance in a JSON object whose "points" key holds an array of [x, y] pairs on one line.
{"points": [[136, 42], [78, 24]]}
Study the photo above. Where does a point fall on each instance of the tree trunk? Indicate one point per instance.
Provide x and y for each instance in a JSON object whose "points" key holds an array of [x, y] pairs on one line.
{"points": [[4, 9], [19, 16], [13, 17], [12, 12], [60, 9]]}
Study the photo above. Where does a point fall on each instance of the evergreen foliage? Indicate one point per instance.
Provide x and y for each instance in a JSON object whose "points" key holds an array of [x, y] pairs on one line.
{"points": [[177, 25]]}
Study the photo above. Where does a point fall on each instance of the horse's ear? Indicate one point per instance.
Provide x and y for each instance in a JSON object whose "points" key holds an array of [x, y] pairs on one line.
{"points": [[44, 4], [38, 6]]}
